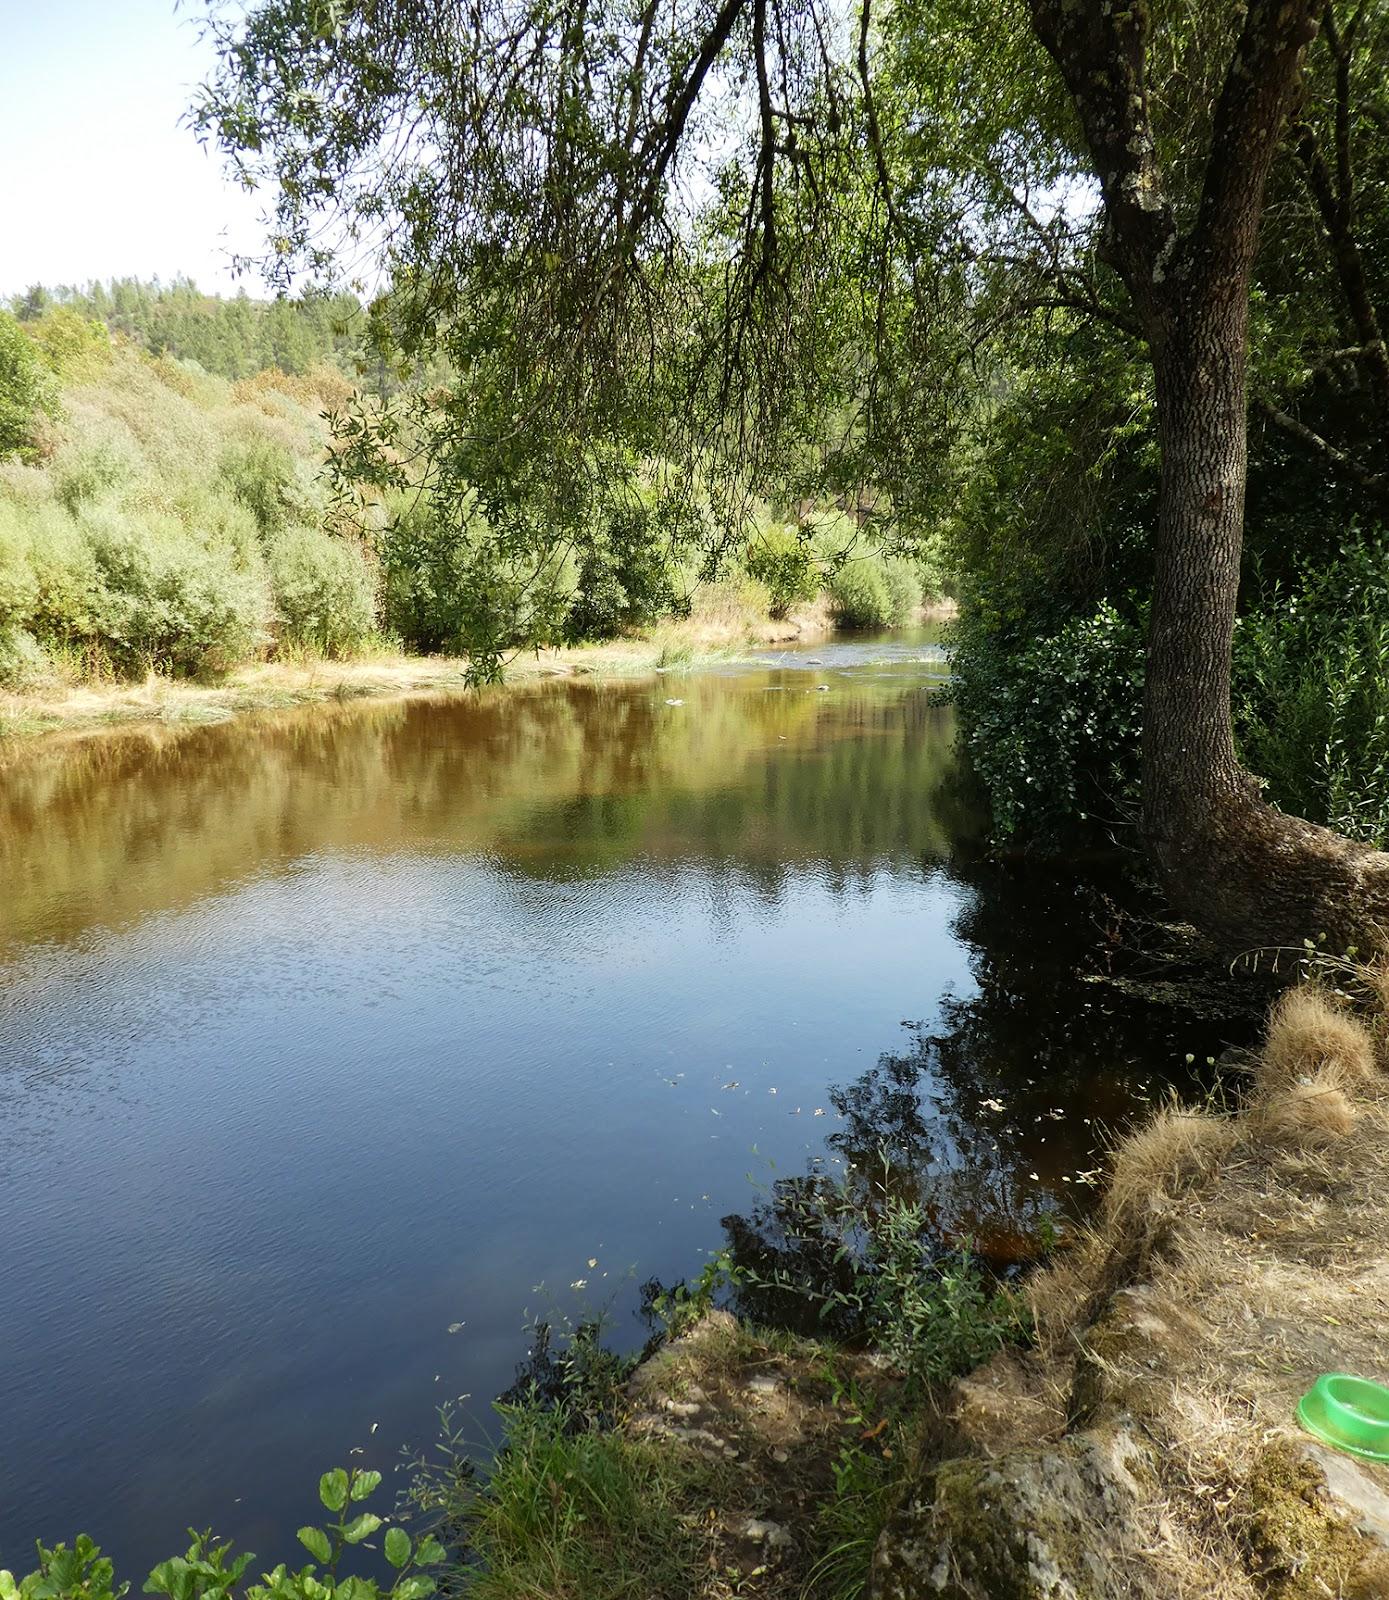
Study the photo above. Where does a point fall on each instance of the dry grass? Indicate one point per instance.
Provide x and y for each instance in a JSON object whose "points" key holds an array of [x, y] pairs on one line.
{"points": [[1309, 1034], [1176, 1148], [1234, 1260]]}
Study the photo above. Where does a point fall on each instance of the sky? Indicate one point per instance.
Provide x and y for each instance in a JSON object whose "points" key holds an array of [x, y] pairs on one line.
{"points": [[100, 179]]}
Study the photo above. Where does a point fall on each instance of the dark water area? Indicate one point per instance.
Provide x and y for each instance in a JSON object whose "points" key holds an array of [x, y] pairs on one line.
{"points": [[333, 1043]]}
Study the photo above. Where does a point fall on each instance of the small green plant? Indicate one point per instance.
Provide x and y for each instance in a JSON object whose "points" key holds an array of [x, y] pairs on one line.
{"points": [[859, 1251], [209, 1571]]}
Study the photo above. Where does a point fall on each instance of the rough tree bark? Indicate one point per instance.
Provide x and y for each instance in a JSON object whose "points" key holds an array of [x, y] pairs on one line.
{"points": [[1248, 874]]}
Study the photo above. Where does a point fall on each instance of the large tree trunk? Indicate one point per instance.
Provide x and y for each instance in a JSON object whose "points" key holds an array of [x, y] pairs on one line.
{"points": [[1250, 875], [1243, 871]]}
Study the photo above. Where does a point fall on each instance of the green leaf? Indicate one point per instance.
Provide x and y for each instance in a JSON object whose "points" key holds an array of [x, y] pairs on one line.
{"points": [[163, 1579], [332, 1489], [397, 1546], [414, 1587], [360, 1527], [364, 1483], [430, 1552], [315, 1541]]}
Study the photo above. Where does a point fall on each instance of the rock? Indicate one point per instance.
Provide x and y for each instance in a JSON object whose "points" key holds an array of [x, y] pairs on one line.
{"points": [[1055, 1523], [770, 1534], [1351, 1492]]}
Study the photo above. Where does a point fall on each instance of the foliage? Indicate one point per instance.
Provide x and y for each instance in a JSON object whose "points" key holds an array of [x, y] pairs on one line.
{"points": [[870, 591], [859, 1252], [261, 472], [628, 572], [25, 391], [161, 599], [781, 557], [325, 592], [209, 1571], [1312, 693], [1052, 722]]}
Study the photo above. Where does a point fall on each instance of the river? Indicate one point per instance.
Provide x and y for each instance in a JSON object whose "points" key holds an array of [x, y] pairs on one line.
{"points": [[334, 1042]]}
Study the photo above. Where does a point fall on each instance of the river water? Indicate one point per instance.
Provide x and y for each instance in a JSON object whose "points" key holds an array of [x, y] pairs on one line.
{"points": [[333, 1043]]}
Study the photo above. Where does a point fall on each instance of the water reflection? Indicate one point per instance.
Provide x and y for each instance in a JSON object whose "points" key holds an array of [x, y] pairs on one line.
{"points": [[323, 1033], [994, 1116]]}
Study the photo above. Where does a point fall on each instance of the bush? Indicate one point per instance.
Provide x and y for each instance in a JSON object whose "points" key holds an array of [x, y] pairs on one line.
{"points": [[628, 573], [26, 394], [263, 475], [86, 473], [163, 601], [18, 585], [903, 590], [1311, 694], [324, 591], [24, 663], [786, 564], [1052, 724], [859, 594]]}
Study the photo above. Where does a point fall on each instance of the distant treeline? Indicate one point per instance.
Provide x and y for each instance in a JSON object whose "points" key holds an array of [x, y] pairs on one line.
{"points": [[233, 338]]}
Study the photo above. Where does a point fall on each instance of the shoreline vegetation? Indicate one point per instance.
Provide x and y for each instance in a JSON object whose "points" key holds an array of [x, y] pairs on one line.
{"points": [[721, 628], [179, 544]]}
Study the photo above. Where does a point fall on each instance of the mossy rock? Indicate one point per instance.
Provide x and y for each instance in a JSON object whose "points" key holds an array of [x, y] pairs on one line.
{"points": [[1299, 1540], [1059, 1523]]}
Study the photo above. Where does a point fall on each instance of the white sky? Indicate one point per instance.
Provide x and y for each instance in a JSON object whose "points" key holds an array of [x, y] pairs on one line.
{"points": [[100, 180]]}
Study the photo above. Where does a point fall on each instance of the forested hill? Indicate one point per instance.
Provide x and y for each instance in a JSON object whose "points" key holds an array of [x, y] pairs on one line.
{"points": [[231, 337]]}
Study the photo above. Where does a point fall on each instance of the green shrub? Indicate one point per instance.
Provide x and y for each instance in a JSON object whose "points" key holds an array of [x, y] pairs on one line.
{"points": [[1052, 724], [859, 594], [24, 663], [263, 475], [26, 394], [628, 574], [164, 601], [18, 585], [786, 564], [324, 591], [1311, 694], [903, 583], [97, 470]]}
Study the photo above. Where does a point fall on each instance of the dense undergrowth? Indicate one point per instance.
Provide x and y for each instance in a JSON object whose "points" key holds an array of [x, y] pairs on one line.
{"points": [[155, 517]]}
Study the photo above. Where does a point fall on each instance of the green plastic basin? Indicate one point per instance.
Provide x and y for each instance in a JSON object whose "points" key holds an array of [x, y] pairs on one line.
{"points": [[1350, 1413]]}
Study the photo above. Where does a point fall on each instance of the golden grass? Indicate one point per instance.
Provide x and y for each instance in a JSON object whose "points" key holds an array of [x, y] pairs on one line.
{"points": [[1310, 1035], [1234, 1260]]}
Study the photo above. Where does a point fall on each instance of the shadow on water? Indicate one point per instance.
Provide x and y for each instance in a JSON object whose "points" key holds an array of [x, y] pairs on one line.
{"points": [[326, 1037]]}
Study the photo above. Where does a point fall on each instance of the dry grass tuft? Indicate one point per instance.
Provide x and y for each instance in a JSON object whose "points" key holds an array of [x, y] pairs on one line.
{"points": [[1303, 1113], [1310, 1036], [1273, 1267], [1175, 1149]]}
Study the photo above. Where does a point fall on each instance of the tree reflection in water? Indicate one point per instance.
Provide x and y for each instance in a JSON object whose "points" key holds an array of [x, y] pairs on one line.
{"points": [[993, 1117]]}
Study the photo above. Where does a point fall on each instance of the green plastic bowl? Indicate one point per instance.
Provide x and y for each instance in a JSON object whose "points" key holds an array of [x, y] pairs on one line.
{"points": [[1350, 1413]]}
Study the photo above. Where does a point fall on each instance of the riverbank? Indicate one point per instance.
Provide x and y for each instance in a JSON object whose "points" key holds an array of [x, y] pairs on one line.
{"points": [[1141, 1443], [719, 629]]}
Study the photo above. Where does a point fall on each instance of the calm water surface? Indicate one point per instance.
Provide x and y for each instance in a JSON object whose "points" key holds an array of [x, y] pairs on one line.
{"points": [[324, 1035]]}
